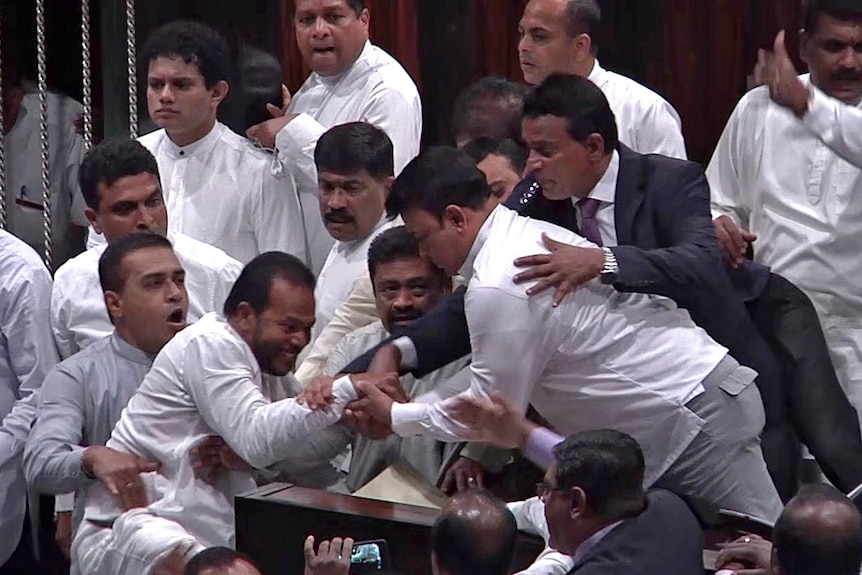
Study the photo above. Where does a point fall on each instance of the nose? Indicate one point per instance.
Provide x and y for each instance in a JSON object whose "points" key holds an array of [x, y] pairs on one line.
{"points": [[320, 28], [300, 339], [146, 218], [176, 292], [534, 163], [404, 299], [166, 94], [337, 200], [849, 58]]}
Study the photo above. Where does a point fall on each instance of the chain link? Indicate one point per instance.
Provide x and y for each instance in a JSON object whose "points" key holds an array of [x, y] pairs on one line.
{"points": [[86, 76], [133, 77], [42, 86]]}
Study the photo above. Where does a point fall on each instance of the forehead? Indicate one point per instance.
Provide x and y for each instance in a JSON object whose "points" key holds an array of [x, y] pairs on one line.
{"points": [[150, 261], [496, 166], [321, 5], [827, 26], [403, 268], [419, 222], [130, 188], [545, 128], [547, 14], [287, 300], [333, 178], [173, 67]]}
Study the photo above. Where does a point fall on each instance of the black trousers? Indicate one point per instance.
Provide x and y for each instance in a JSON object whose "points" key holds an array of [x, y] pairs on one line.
{"points": [[23, 560], [820, 413]]}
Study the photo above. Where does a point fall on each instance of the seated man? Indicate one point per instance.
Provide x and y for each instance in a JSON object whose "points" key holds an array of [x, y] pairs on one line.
{"points": [[208, 380], [819, 533], [406, 285], [221, 561], [120, 182], [142, 283], [474, 533], [502, 162], [598, 359]]}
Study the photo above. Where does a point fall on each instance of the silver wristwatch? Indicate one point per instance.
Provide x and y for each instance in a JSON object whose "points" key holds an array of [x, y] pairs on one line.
{"points": [[610, 268]]}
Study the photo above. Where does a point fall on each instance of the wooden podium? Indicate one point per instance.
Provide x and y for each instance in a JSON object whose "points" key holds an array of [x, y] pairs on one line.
{"points": [[272, 523]]}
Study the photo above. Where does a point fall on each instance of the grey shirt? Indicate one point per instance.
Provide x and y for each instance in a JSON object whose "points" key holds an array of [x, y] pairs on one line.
{"points": [[81, 401]]}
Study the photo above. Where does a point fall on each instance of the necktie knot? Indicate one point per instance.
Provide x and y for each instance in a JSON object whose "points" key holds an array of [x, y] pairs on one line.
{"points": [[589, 207]]}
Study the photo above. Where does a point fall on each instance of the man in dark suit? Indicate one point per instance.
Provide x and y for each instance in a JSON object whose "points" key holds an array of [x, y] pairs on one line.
{"points": [[598, 513], [653, 222]]}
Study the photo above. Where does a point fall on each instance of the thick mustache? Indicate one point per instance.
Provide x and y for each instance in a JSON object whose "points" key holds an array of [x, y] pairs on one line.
{"points": [[338, 217], [406, 315], [847, 76]]}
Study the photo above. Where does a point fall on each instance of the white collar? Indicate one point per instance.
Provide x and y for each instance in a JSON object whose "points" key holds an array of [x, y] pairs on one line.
{"points": [[606, 189], [200, 146], [466, 270], [597, 74]]}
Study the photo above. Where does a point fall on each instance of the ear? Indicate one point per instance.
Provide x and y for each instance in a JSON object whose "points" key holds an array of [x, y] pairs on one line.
{"points": [[583, 44], [93, 218], [595, 145], [804, 40], [455, 215], [387, 186], [365, 18], [219, 92], [114, 303], [579, 503], [245, 315]]}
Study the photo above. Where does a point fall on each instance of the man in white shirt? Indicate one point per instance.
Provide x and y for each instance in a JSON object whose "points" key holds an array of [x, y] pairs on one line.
{"points": [[27, 354], [120, 183], [218, 188], [354, 164], [558, 36], [787, 175], [24, 171], [352, 80], [599, 359], [209, 379]]}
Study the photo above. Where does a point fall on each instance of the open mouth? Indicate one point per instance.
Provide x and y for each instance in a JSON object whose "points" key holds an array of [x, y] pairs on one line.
{"points": [[329, 50], [177, 317]]}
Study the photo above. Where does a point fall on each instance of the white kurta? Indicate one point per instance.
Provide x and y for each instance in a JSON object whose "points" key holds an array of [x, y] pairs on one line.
{"points": [[797, 184], [27, 354], [24, 176], [646, 122], [222, 191], [78, 314], [205, 381], [375, 89]]}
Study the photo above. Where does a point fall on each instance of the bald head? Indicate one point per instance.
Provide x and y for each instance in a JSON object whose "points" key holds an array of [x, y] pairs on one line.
{"points": [[474, 535], [819, 533]]}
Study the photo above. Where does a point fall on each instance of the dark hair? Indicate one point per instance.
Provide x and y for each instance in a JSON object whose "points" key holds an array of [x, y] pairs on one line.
{"points": [[438, 177], [110, 161], [252, 285], [355, 5], [489, 107], [805, 546], [474, 535], [579, 101], [195, 43], [397, 244], [213, 558], [353, 147], [838, 9], [481, 148], [111, 276], [583, 17], [608, 465]]}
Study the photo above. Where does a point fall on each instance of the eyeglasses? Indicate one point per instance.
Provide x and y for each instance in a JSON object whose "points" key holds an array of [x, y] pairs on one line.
{"points": [[544, 490]]}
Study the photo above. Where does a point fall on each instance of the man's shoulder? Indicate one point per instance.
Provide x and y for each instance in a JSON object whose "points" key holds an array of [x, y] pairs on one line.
{"points": [[636, 92], [152, 140], [85, 263], [386, 74], [204, 256], [242, 148], [82, 362], [364, 337], [657, 167]]}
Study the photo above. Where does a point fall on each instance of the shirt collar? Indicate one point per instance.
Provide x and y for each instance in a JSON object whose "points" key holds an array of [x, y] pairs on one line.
{"points": [[347, 247], [202, 145], [597, 74], [591, 542], [466, 270], [130, 352], [606, 189]]}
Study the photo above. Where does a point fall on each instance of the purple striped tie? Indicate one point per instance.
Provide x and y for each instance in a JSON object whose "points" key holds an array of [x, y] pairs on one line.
{"points": [[589, 224]]}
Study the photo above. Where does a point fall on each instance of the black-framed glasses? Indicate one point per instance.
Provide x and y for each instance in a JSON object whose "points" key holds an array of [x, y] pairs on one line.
{"points": [[544, 490]]}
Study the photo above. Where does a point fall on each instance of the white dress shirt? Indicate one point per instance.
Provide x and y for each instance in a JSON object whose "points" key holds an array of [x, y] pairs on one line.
{"points": [[601, 359], [347, 262], [646, 122], [375, 89], [606, 192], [78, 313], [205, 381], [221, 191], [796, 183], [530, 517], [27, 354], [24, 176]]}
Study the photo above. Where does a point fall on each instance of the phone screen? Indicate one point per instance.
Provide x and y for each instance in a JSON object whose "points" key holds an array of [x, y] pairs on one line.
{"points": [[366, 557]]}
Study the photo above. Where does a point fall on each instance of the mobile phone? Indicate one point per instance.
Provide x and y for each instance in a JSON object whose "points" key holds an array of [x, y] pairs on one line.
{"points": [[369, 557]]}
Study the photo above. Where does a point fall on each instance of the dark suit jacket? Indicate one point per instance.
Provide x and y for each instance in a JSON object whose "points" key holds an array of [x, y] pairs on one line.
{"points": [[666, 246], [665, 538]]}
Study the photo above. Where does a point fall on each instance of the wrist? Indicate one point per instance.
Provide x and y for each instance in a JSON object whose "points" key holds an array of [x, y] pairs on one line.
{"points": [[87, 460]]}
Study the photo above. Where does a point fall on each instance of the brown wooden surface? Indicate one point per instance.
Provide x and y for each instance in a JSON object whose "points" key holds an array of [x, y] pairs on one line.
{"points": [[273, 522]]}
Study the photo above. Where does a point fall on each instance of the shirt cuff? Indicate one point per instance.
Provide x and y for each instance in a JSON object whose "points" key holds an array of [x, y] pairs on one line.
{"points": [[406, 418], [64, 503], [820, 116], [409, 357], [539, 447], [343, 389], [301, 132]]}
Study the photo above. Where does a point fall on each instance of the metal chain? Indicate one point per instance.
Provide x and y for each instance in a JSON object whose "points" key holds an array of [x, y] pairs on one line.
{"points": [[2, 149], [133, 77], [86, 85], [42, 86]]}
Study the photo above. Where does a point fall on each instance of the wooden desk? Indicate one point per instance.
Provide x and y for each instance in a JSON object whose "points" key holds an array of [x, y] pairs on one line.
{"points": [[272, 523]]}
